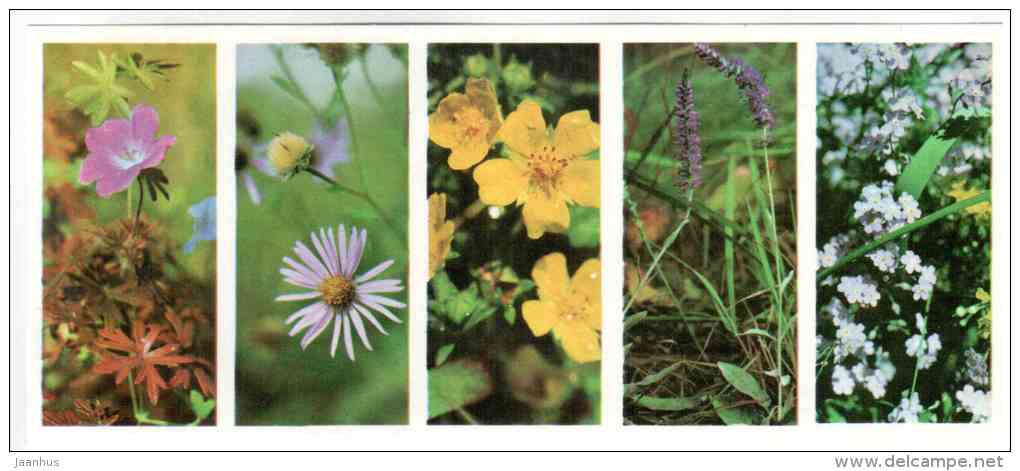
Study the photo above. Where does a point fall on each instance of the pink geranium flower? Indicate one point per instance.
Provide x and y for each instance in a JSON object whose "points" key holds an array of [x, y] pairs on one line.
{"points": [[120, 149]]}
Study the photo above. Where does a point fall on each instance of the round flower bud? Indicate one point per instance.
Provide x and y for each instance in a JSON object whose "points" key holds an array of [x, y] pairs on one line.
{"points": [[518, 76], [287, 152], [476, 65]]}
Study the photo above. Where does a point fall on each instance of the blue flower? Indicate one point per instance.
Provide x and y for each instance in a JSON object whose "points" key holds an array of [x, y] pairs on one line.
{"points": [[204, 228]]}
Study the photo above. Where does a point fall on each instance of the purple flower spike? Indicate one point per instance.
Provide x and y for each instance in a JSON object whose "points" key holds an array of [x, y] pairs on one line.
{"points": [[330, 146], [686, 137], [746, 77], [120, 149]]}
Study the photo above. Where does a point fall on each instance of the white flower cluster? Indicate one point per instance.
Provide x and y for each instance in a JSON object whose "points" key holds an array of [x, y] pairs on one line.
{"points": [[833, 250], [850, 336], [880, 212], [859, 290], [902, 109], [884, 259], [852, 343], [975, 401], [908, 411]]}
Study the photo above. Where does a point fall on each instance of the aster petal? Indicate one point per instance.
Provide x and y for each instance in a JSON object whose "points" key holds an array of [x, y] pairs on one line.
{"points": [[308, 315], [311, 260], [348, 344], [330, 242], [545, 213], [359, 326], [374, 271], [380, 309], [337, 323], [297, 279], [303, 270], [581, 183], [341, 248], [382, 300], [323, 253], [540, 316], [315, 331], [367, 314], [380, 286], [357, 250], [550, 275], [500, 181], [298, 296], [253, 190]]}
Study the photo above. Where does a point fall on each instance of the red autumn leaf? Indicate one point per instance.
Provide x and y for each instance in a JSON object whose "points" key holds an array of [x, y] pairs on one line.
{"points": [[140, 356]]}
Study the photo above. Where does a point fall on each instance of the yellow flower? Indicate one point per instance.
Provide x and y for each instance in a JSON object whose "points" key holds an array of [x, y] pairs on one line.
{"points": [[985, 321], [466, 123], [440, 233], [569, 307], [544, 173], [960, 193], [287, 151]]}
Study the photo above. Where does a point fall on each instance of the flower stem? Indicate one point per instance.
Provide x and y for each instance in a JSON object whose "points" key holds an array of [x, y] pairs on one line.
{"points": [[364, 196], [138, 210], [295, 89]]}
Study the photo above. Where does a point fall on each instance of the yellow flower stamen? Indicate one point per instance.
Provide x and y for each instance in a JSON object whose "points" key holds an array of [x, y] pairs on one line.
{"points": [[337, 291]]}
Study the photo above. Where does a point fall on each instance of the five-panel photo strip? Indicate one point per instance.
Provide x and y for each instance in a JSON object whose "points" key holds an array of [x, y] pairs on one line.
{"points": [[329, 223]]}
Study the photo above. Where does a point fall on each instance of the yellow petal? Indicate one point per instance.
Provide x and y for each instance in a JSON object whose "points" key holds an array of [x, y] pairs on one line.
{"points": [[463, 157], [587, 281], [550, 276], [540, 316], [500, 181], [442, 126], [483, 96], [524, 129], [576, 135], [581, 182], [579, 341], [545, 213], [437, 210]]}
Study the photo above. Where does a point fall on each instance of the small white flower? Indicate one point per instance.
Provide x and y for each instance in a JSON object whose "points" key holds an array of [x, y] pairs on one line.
{"points": [[891, 168], [911, 262], [908, 410], [842, 382], [910, 209], [976, 402]]}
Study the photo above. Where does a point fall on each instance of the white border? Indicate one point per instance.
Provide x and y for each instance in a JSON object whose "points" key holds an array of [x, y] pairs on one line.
{"points": [[28, 434]]}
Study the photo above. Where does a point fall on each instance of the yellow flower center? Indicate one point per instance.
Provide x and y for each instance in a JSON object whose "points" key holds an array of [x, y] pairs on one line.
{"points": [[573, 307], [337, 291], [473, 125], [545, 166]]}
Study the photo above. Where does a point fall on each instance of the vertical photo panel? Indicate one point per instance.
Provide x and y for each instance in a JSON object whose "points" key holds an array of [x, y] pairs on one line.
{"points": [[515, 302], [129, 229], [710, 247], [904, 233], [322, 243]]}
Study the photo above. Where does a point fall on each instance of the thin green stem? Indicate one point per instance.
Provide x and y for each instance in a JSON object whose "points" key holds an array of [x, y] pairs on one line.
{"points": [[365, 197], [363, 63], [929, 219], [338, 80], [288, 75], [662, 251]]}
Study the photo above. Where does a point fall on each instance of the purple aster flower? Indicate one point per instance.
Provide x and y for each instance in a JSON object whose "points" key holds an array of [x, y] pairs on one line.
{"points": [[330, 146], [120, 149], [686, 137], [746, 77], [341, 296]]}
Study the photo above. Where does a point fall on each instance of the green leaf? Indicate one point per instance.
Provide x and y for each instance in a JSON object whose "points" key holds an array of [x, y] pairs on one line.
{"points": [[667, 403], [463, 304], [457, 384], [584, 227], [732, 415], [510, 314], [744, 382], [444, 353], [201, 406], [442, 287], [922, 165]]}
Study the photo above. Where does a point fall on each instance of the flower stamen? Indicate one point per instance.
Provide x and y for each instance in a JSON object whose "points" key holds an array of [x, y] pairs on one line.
{"points": [[337, 291]]}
